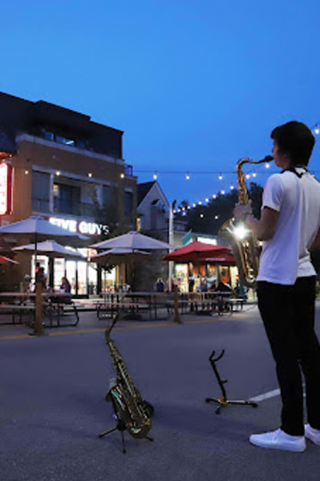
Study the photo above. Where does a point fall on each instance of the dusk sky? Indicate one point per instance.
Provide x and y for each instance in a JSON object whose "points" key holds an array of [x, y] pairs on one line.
{"points": [[194, 84]]}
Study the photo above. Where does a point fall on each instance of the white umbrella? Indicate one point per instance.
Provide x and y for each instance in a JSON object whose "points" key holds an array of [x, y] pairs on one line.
{"points": [[49, 248], [40, 229], [118, 256], [132, 240]]}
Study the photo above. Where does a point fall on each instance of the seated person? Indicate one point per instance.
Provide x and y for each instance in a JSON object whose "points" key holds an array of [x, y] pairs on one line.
{"points": [[65, 285], [41, 278], [221, 287], [65, 290], [160, 285]]}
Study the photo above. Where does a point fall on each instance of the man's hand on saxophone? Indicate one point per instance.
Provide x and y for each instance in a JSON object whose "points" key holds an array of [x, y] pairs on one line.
{"points": [[241, 211], [265, 227]]}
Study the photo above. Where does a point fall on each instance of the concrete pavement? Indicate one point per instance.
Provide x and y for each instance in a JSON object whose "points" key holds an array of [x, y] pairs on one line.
{"points": [[52, 405]]}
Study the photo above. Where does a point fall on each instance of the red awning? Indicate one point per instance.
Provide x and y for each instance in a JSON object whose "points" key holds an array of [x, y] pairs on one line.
{"points": [[220, 258], [196, 251]]}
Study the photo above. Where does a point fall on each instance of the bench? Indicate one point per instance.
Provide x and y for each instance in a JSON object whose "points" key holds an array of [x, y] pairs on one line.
{"points": [[19, 311], [57, 310]]}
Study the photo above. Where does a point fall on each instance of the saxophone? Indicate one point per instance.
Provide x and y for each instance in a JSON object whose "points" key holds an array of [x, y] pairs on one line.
{"points": [[134, 412], [245, 246]]}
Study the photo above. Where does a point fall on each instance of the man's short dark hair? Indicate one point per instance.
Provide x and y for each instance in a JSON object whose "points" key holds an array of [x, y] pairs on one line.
{"points": [[296, 140]]}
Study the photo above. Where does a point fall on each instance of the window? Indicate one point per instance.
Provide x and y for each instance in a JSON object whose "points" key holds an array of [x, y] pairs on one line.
{"points": [[110, 196], [128, 203], [66, 198], [40, 191], [48, 135], [64, 140]]}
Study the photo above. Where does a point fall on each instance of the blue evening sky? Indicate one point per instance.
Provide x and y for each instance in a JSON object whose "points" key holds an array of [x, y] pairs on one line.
{"points": [[194, 84]]}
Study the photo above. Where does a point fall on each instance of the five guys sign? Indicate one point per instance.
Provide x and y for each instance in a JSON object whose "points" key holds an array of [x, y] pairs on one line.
{"points": [[5, 189]]}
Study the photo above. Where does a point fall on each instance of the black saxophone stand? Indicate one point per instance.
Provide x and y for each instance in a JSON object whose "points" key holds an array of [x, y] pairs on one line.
{"points": [[223, 401], [120, 426]]}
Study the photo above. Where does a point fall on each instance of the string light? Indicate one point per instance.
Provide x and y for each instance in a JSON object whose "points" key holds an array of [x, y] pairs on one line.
{"points": [[122, 175], [220, 176], [90, 174], [188, 176], [155, 176]]}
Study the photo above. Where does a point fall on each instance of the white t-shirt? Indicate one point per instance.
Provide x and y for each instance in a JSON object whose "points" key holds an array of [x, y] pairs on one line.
{"points": [[286, 257]]}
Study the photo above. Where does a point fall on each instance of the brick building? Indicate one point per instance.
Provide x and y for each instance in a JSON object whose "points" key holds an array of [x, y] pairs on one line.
{"points": [[64, 165]]}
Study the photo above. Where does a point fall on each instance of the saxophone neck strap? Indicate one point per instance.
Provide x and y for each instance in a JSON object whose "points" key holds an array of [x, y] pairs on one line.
{"points": [[294, 171]]}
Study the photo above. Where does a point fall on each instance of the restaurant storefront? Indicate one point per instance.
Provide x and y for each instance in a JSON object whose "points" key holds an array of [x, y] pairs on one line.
{"points": [[86, 278]]}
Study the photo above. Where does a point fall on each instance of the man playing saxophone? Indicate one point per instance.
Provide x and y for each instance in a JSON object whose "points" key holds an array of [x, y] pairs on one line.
{"points": [[290, 228]]}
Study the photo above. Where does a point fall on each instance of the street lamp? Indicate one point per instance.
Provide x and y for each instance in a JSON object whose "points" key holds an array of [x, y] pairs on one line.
{"points": [[172, 207]]}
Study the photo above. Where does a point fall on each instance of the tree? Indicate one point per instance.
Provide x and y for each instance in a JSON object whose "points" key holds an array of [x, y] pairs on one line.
{"points": [[210, 217]]}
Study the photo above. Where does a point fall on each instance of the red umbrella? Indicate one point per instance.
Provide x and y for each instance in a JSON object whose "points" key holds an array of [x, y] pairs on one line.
{"points": [[7, 259], [220, 258], [195, 252]]}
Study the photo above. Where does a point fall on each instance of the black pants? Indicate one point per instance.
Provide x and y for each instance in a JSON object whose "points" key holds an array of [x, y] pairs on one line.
{"points": [[288, 315]]}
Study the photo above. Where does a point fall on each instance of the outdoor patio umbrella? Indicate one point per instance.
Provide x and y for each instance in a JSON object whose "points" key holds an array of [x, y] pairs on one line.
{"points": [[220, 258], [49, 248], [132, 240], [195, 251], [40, 229], [118, 256], [4, 259]]}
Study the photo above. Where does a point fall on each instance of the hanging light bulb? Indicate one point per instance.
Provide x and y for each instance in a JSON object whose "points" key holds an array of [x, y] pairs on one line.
{"points": [[247, 176], [200, 203], [207, 200], [254, 174], [231, 187], [220, 176], [316, 129], [222, 192], [267, 165], [214, 196], [188, 176], [155, 176]]}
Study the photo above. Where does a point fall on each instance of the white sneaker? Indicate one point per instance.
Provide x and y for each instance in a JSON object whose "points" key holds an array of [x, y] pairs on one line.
{"points": [[279, 440], [312, 434]]}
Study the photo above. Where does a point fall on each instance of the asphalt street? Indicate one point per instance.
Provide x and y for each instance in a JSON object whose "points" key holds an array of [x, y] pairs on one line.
{"points": [[52, 403]]}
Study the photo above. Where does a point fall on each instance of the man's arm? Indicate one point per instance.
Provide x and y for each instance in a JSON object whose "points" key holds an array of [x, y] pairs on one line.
{"points": [[315, 246], [264, 228]]}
